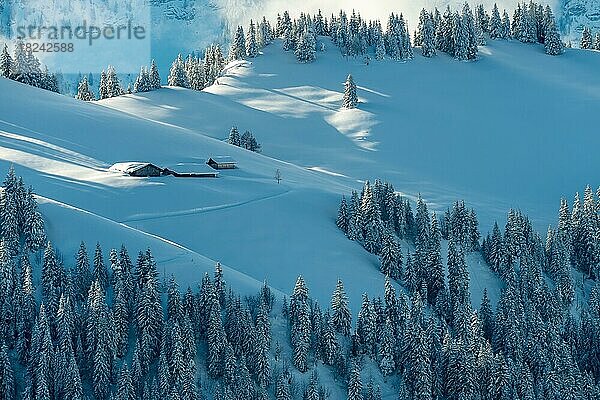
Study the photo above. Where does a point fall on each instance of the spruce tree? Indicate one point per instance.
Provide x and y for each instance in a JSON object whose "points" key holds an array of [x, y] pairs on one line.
{"points": [[7, 379], [341, 318], [84, 92], [300, 325], [428, 37], [495, 24], [103, 86], [113, 86], [6, 63], [552, 42], [251, 45], [305, 47], [342, 218], [234, 137], [142, 82], [586, 39], [238, 45], [355, 384], [177, 76], [350, 98], [125, 389], [155, 82], [100, 272]]}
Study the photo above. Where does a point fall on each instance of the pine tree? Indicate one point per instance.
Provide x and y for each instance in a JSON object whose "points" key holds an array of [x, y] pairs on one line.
{"points": [[350, 98], [125, 389], [366, 327], [9, 213], [113, 86], [177, 76], [305, 47], [282, 389], [495, 24], [100, 272], [6, 63], [51, 274], [586, 39], [486, 315], [552, 42], [341, 319], [238, 45], [458, 278], [428, 37], [215, 336], [435, 269], [84, 92], [355, 384], [7, 380], [342, 218], [26, 312], [379, 46], [390, 257], [300, 325], [149, 311], [103, 86], [234, 136], [142, 82], [387, 349], [506, 32], [465, 36], [251, 45], [155, 82]]}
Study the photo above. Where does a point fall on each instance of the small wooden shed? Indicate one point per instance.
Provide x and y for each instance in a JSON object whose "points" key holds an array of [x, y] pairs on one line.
{"points": [[221, 162], [136, 168]]}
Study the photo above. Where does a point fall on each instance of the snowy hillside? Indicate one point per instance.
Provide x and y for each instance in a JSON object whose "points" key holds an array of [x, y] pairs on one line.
{"points": [[433, 126], [505, 131], [419, 126]]}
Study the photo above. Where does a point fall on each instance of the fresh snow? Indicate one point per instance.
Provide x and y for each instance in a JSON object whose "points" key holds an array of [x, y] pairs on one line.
{"points": [[418, 126]]}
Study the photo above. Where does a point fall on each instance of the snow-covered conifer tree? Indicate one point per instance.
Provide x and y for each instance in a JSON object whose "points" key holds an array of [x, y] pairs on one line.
{"points": [[305, 47], [390, 256], [251, 46], [552, 42], [300, 325], [177, 76], [506, 32], [350, 99], [155, 82], [355, 387], [586, 39], [142, 82], [6, 63], [341, 318], [100, 272], [237, 50], [84, 92], [495, 24], [342, 217], [234, 137], [113, 86]]}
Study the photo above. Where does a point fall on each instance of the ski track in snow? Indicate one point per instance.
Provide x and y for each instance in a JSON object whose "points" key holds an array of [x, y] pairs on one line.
{"points": [[231, 272], [201, 210]]}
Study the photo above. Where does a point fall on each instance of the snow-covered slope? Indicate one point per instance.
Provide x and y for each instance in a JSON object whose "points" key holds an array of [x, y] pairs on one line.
{"points": [[510, 130], [418, 126], [65, 152]]}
